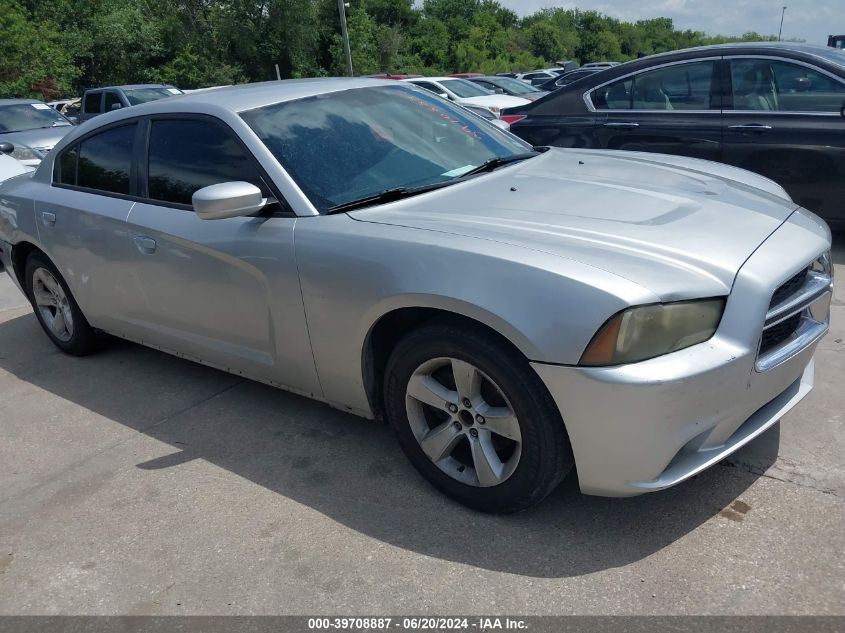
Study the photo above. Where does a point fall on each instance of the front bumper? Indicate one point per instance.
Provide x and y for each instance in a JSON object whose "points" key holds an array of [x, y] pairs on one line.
{"points": [[650, 425]]}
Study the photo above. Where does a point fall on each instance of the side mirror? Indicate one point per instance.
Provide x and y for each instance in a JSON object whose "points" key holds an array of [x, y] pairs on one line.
{"points": [[116, 106], [227, 200], [444, 95], [499, 91], [8, 148]]}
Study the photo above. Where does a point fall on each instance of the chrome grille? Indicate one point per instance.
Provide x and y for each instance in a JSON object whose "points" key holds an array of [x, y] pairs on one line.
{"points": [[778, 333], [789, 287], [797, 315]]}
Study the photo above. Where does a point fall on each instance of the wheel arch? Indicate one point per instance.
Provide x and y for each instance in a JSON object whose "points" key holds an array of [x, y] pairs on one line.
{"points": [[20, 253], [392, 324]]}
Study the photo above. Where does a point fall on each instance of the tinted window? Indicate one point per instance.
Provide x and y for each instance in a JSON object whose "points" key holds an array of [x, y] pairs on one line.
{"points": [[427, 86], [616, 96], [678, 87], [92, 102], [105, 160], [761, 84], [188, 155], [111, 99], [67, 166]]}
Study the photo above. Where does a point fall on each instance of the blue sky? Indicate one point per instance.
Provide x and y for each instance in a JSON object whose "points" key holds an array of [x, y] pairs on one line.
{"points": [[810, 20]]}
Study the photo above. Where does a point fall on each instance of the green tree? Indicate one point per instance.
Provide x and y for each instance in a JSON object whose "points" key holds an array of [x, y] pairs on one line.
{"points": [[32, 60]]}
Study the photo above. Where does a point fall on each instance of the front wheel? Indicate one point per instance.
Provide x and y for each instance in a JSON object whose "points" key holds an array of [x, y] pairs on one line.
{"points": [[56, 309], [475, 419]]}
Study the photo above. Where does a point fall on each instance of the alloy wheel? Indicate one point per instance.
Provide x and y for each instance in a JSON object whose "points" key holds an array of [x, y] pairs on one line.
{"points": [[463, 422], [52, 304]]}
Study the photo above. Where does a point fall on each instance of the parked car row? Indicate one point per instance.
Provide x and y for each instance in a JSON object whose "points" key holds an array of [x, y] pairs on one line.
{"points": [[32, 127], [515, 313], [777, 109]]}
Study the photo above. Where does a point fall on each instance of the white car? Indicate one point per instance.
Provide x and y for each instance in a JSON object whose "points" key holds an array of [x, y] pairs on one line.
{"points": [[467, 93]]}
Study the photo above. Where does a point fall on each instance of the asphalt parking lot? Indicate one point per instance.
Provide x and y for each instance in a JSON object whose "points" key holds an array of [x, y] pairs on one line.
{"points": [[137, 483]]}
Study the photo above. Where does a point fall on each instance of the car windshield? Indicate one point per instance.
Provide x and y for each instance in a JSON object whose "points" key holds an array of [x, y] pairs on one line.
{"points": [[29, 116], [464, 89], [516, 86], [352, 144], [142, 95]]}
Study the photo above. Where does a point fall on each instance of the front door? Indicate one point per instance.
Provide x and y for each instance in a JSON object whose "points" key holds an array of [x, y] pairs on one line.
{"points": [[785, 123], [673, 109], [222, 291]]}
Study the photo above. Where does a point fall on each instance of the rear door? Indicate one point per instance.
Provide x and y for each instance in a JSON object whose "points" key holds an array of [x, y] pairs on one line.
{"points": [[671, 109], [81, 221], [223, 291], [784, 121]]}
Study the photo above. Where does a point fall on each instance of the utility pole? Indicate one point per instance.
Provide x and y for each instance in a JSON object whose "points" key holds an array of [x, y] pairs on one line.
{"points": [[341, 6], [780, 30]]}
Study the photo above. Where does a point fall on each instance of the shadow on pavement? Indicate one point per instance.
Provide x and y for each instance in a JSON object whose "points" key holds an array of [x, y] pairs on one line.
{"points": [[352, 470]]}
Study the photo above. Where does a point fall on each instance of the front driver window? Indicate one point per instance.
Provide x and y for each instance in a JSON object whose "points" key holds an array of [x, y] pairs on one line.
{"points": [[186, 155], [769, 85]]}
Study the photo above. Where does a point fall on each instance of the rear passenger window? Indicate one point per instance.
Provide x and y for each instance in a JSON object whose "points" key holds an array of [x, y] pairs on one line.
{"points": [[187, 155], [676, 87], [105, 160], [92, 102]]}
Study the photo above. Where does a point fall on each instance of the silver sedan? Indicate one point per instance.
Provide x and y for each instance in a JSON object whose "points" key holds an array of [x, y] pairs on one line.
{"points": [[513, 312]]}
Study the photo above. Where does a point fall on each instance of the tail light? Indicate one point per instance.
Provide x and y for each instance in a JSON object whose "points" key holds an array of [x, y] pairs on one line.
{"points": [[510, 119]]}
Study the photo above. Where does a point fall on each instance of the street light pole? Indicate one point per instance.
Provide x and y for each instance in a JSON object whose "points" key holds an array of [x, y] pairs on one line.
{"points": [[341, 6], [780, 30]]}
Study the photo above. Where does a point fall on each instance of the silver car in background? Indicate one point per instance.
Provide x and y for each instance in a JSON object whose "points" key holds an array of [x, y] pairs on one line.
{"points": [[513, 313], [32, 127]]}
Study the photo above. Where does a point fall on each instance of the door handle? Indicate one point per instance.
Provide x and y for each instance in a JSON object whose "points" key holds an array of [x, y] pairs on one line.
{"points": [[625, 125], [146, 245], [48, 218], [751, 127]]}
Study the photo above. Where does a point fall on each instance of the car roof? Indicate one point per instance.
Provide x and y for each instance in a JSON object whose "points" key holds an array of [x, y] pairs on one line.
{"points": [[435, 78], [18, 101], [796, 47], [243, 97], [130, 87]]}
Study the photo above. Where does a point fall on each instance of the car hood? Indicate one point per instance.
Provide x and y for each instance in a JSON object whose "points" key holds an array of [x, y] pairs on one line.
{"points": [[678, 227], [497, 100], [9, 167], [42, 138]]}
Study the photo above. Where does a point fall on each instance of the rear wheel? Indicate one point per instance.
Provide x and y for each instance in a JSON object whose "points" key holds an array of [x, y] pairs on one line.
{"points": [[56, 309], [475, 419]]}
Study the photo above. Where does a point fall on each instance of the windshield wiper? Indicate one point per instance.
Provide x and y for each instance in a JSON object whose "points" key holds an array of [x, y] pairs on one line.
{"points": [[498, 161], [388, 195]]}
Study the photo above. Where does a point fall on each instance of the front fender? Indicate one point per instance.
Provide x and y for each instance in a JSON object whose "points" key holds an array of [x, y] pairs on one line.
{"points": [[353, 273]]}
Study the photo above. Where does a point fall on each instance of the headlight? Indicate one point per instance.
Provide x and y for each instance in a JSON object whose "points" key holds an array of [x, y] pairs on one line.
{"points": [[644, 332], [22, 152]]}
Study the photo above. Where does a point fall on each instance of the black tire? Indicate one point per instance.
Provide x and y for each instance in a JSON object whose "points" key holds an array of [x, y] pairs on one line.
{"points": [[546, 455], [83, 340]]}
